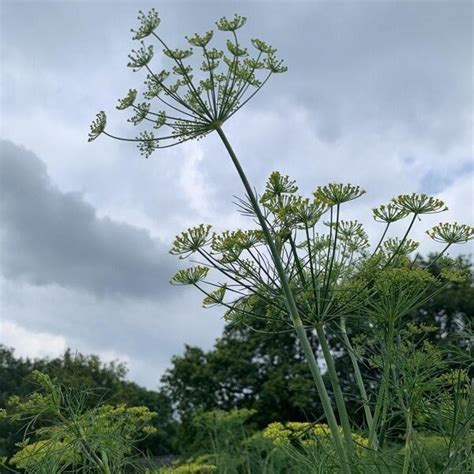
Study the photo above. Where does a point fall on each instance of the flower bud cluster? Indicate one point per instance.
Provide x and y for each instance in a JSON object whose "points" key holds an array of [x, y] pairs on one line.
{"points": [[197, 100]]}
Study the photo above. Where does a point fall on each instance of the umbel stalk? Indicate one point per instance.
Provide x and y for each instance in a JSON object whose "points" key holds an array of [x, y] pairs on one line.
{"points": [[293, 313]]}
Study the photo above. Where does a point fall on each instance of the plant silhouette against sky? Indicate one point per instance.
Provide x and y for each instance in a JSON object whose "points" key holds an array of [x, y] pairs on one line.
{"points": [[314, 277]]}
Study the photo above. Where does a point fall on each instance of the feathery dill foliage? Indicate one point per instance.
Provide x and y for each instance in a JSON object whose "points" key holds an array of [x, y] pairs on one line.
{"points": [[63, 435], [202, 87]]}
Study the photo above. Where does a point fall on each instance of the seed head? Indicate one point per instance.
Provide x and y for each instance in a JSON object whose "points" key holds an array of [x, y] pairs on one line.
{"points": [[148, 24], [336, 193], [190, 276], [451, 233], [419, 204]]}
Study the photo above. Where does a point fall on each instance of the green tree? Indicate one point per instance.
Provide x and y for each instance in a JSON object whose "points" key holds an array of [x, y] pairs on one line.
{"points": [[260, 370]]}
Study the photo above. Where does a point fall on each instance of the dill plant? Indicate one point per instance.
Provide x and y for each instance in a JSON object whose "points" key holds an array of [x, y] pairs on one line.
{"points": [[311, 267], [61, 434]]}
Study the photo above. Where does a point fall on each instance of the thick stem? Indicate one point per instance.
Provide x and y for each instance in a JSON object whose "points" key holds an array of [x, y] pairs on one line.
{"points": [[105, 463], [331, 263], [323, 395], [468, 426], [292, 310], [341, 405]]}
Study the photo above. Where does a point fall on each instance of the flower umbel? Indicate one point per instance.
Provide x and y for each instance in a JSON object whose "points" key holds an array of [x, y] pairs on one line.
{"points": [[98, 126], [389, 213], [335, 193], [451, 233], [197, 97], [419, 204]]}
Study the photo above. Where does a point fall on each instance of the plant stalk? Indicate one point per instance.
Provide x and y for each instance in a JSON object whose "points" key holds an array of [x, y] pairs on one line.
{"points": [[292, 310], [338, 395], [358, 375], [408, 444]]}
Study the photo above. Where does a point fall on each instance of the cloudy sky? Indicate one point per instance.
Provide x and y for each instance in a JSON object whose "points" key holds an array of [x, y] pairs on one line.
{"points": [[377, 94]]}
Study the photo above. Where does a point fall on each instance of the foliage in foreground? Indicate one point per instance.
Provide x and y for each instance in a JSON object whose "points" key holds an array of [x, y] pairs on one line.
{"points": [[75, 437], [263, 369], [104, 382], [233, 447]]}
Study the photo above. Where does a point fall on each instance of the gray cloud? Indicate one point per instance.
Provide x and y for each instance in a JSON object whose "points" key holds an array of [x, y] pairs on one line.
{"points": [[369, 65], [145, 333], [377, 93], [54, 237]]}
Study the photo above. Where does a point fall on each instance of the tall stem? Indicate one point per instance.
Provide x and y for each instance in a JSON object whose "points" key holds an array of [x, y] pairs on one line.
{"points": [[292, 310], [341, 405]]}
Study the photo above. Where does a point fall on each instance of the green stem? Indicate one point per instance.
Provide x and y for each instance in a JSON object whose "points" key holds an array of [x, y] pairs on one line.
{"points": [[331, 263], [382, 396], [105, 462], [385, 398], [357, 373], [378, 407], [419, 449], [468, 426], [440, 255], [400, 245], [341, 405], [293, 311], [297, 262], [381, 239], [408, 444]]}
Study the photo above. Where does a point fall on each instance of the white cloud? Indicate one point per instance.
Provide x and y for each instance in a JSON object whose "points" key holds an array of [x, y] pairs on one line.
{"points": [[31, 344]]}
